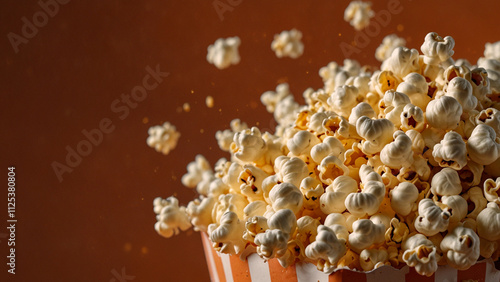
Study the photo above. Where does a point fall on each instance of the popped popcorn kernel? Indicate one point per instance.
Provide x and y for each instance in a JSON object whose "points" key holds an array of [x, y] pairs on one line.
{"points": [[163, 138], [224, 52], [358, 14], [288, 44]]}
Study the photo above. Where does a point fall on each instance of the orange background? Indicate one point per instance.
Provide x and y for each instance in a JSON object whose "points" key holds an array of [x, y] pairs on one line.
{"points": [[100, 218]]}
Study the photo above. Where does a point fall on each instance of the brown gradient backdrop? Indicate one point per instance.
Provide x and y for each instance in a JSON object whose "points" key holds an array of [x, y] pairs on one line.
{"points": [[100, 217]]}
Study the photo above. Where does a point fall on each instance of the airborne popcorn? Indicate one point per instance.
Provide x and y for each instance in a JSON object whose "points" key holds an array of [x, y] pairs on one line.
{"points": [[224, 52], [288, 44], [163, 138], [358, 14], [398, 166]]}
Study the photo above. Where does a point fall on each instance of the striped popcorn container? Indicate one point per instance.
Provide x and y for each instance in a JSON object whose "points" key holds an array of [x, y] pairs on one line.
{"points": [[227, 268]]}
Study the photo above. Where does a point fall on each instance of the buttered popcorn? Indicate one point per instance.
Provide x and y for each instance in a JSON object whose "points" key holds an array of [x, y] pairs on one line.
{"points": [[391, 167]]}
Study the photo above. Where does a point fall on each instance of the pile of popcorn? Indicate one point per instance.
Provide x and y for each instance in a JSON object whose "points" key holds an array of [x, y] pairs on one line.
{"points": [[389, 167]]}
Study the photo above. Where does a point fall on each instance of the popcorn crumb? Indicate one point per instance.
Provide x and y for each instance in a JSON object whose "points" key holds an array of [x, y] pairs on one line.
{"points": [[163, 138], [358, 14], [224, 52], [209, 101]]}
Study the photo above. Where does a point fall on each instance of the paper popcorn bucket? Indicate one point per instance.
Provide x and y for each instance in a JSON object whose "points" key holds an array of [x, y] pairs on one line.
{"points": [[227, 268]]}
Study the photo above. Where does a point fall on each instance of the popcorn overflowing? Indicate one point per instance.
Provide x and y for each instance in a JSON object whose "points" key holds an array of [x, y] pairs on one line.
{"points": [[391, 167], [163, 138], [288, 44], [358, 14], [224, 52]]}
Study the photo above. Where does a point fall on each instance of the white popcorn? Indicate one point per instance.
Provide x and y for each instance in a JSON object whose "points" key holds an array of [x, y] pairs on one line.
{"points": [[361, 109], [483, 145], [337, 222], [460, 89], [273, 242], [225, 138], [421, 253], [417, 141], [398, 153], [330, 168], [373, 258], [451, 151], [392, 105], [456, 206], [255, 208], [491, 117], [443, 113], [389, 43], [200, 213], [327, 249], [302, 142], [412, 118], [358, 14], [224, 52], [254, 225], [376, 133], [248, 145], [288, 44], [290, 170], [461, 248], [227, 237], [369, 199], [197, 170], [416, 88], [229, 202], [436, 49], [330, 146], [381, 81], [397, 232], [250, 180], [402, 62], [163, 138], [446, 182], [404, 198], [312, 189], [333, 200], [286, 111], [431, 219], [170, 217], [492, 50], [365, 234], [475, 199], [271, 98], [286, 196], [343, 99], [492, 190], [488, 222]]}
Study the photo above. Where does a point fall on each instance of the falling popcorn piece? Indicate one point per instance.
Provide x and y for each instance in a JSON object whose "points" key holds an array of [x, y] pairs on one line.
{"points": [[358, 14], [209, 101], [186, 107], [224, 52], [163, 138], [288, 44]]}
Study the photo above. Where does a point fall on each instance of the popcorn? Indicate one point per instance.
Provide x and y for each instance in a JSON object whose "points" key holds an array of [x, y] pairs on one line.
{"points": [[333, 200], [327, 249], [421, 253], [365, 234], [380, 167], [163, 138], [416, 88], [376, 133], [224, 52], [170, 217], [358, 14], [461, 248], [288, 43], [492, 190], [431, 219], [398, 153], [488, 222], [451, 152], [389, 43], [227, 236], [483, 145], [437, 49], [443, 113], [404, 198]]}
